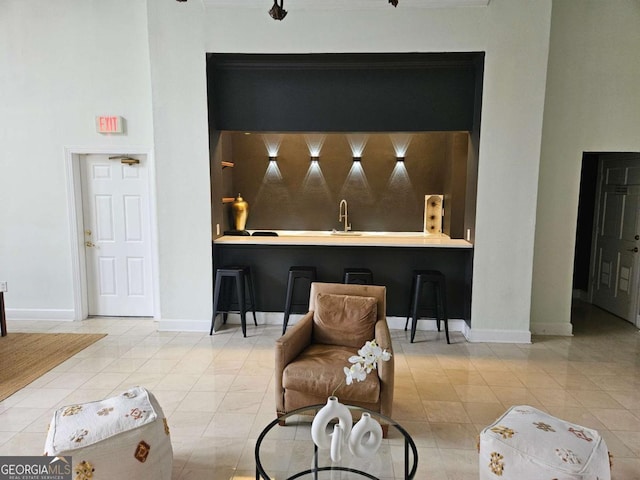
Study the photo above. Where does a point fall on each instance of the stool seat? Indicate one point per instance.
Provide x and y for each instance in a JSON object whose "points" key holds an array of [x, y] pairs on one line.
{"points": [[526, 443], [360, 276], [241, 274], [125, 436], [297, 274], [422, 278]]}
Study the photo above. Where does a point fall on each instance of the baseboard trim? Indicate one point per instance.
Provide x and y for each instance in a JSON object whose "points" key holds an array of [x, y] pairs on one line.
{"points": [[477, 335], [275, 318], [552, 328], [66, 315]]}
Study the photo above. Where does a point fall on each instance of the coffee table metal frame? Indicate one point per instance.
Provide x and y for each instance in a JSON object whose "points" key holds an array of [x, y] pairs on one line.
{"points": [[409, 446]]}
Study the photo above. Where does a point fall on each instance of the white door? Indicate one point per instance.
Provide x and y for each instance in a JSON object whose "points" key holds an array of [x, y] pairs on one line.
{"points": [[115, 205], [615, 276]]}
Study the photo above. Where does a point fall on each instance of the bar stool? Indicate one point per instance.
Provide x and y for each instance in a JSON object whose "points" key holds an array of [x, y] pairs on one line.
{"points": [[242, 276], [361, 276], [438, 281], [296, 274]]}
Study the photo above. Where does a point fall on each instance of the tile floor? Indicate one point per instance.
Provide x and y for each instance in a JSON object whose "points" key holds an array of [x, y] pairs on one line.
{"points": [[218, 391]]}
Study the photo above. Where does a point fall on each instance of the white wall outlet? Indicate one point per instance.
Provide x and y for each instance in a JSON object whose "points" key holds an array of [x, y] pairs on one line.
{"points": [[3, 287]]}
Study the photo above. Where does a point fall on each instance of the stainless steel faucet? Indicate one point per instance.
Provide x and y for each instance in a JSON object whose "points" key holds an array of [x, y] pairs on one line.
{"points": [[344, 215]]}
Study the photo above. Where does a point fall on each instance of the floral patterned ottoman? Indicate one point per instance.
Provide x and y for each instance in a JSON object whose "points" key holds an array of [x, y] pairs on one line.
{"points": [[527, 444], [120, 437]]}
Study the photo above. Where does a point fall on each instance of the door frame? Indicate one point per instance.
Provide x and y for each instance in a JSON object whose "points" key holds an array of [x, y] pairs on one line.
{"points": [[594, 267], [73, 156]]}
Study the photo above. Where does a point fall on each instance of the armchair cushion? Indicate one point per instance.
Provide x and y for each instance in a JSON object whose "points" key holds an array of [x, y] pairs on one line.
{"points": [[320, 369], [344, 320]]}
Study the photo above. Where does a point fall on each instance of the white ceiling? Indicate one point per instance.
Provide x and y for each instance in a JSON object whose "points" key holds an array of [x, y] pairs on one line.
{"points": [[345, 4]]}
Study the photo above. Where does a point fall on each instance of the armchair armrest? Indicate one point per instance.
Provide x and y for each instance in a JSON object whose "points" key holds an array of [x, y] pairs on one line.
{"points": [[288, 347]]}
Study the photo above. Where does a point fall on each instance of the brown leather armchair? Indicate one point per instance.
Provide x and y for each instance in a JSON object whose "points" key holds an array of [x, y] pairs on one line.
{"points": [[311, 356]]}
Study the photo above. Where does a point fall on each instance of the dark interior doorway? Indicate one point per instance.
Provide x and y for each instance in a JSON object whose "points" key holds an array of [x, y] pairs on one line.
{"points": [[587, 205]]}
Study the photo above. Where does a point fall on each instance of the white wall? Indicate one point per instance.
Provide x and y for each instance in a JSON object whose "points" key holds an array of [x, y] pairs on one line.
{"points": [[592, 105], [61, 64], [515, 36], [181, 138]]}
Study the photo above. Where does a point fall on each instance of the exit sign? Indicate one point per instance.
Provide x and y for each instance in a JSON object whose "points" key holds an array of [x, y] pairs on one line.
{"points": [[108, 124]]}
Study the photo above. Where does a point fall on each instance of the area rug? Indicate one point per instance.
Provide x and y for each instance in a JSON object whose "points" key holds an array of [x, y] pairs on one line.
{"points": [[26, 356]]}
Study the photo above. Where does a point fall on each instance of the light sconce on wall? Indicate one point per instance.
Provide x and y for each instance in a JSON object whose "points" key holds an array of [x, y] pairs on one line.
{"points": [[314, 158], [400, 159], [273, 158], [357, 159]]}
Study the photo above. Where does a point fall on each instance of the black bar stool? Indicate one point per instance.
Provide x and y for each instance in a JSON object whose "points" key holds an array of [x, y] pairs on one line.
{"points": [[361, 276], [438, 281], [296, 274], [242, 276]]}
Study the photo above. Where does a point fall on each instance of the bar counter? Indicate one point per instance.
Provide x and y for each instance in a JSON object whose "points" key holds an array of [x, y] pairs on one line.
{"points": [[392, 256]]}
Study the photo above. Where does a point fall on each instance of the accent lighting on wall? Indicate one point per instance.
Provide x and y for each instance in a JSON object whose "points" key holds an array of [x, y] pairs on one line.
{"points": [[273, 158], [357, 159], [314, 158], [400, 159]]}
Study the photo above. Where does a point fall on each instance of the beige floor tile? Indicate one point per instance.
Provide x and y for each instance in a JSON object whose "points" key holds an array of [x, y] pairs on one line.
{"points": [[555, 397], [483, 413], [445, 412], [475, 393], [465, 377], [501, 378], [201, 402], [241, 402], [574, 381], [617, 419], [629, 399], [537, 380], [596, 398], [437, 391], [455, 435], [515, 396], [631, 439]]}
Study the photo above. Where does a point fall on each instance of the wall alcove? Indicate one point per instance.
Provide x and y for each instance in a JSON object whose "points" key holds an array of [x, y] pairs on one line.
{"points": [[433, 97]]}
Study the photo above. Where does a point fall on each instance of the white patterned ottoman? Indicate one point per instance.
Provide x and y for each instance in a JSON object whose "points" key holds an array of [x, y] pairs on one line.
{"points": [[527, 444], [121, 437]]}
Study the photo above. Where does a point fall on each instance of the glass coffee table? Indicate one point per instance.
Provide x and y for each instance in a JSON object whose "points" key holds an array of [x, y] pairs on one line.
{"points": [[285, 450]]}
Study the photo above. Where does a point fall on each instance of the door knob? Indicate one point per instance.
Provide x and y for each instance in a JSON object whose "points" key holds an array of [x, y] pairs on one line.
{"points": [[637, 237], [634, 250], [88, 232], [91, 244]]}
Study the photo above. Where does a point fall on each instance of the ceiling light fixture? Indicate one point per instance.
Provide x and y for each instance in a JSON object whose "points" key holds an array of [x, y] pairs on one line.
{"points": [[277, 12]]}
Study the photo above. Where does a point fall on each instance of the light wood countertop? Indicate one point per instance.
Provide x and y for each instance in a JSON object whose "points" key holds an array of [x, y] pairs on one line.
{"points": [[352, 239]]}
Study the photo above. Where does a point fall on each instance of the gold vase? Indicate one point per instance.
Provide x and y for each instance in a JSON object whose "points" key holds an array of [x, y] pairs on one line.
{"points": [[240, 210]]}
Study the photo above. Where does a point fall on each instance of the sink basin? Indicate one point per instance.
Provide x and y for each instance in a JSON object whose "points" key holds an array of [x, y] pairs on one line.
{"points": [[346, 234]]}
